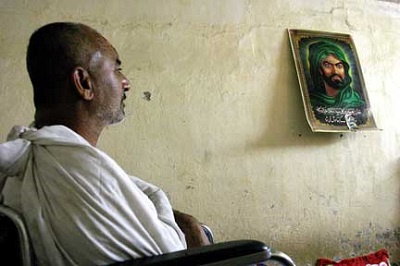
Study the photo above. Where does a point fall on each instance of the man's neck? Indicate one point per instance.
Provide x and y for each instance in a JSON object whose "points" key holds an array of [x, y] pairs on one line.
{"points": [[87, 128]]}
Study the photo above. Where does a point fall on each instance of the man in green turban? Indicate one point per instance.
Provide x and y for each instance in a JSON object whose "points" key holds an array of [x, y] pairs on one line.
{"points": [[331, 94], [329, 70]]}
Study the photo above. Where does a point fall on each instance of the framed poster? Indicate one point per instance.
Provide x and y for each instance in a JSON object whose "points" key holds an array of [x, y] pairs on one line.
{"points": [[332, 86]]}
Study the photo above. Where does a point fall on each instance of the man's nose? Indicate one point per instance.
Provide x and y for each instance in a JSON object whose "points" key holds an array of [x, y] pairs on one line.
{"points": [[335, 69], [126, 84]]}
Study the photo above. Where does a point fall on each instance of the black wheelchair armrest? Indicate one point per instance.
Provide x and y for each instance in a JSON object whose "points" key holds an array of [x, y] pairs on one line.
{"points": [[14, 241], [241, 252]]}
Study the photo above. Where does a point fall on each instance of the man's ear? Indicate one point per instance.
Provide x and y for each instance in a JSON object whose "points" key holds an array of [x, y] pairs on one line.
{"points": [[82, 83]]}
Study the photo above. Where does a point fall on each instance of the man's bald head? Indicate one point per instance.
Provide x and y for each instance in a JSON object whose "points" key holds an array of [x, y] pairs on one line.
{"points": [[54, 51]]}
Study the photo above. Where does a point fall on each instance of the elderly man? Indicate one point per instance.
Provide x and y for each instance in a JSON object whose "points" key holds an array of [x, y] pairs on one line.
{"points": [[80, 206]]}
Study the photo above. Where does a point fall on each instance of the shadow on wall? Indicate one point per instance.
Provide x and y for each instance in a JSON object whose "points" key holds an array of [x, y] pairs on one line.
{"points": [[364, 241], [287, 124], [393, 1], [372, 238]]}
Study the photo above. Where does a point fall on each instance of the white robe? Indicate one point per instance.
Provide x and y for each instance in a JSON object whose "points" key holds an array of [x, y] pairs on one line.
{"points": [[80, 207]]}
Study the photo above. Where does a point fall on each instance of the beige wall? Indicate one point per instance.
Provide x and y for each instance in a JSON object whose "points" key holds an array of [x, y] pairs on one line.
{"points": [[224, 132]]}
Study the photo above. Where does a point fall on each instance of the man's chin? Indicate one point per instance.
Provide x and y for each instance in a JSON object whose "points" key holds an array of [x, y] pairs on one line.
{"points": [[118, 120], [336, 85], [114, 122]]}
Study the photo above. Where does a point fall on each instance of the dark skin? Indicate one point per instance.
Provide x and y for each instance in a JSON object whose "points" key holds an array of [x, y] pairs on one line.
{"points": [[81, 113], [194, 234], [93, 99]]}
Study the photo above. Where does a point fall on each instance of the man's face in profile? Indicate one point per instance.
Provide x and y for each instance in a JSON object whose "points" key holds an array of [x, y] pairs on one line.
{"points": [[333, 72]]}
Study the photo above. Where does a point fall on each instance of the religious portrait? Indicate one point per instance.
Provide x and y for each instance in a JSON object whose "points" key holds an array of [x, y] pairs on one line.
{"points": [[331, 82]]}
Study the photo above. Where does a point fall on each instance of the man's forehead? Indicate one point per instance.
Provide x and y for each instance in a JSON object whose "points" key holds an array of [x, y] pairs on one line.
{"points": [[103, 44], [100, 56], [116, 55], [331, 59], [101, 48]]}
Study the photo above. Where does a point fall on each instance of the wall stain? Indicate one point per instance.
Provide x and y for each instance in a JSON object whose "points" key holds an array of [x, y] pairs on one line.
{"points": [[370, 239], [147, 96]]}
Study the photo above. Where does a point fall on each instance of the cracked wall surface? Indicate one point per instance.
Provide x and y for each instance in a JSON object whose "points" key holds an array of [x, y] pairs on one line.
{"points": [[215, 117]]}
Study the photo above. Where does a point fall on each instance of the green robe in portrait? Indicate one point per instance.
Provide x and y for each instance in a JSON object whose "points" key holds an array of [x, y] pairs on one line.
{"points": [[346, 98]]}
